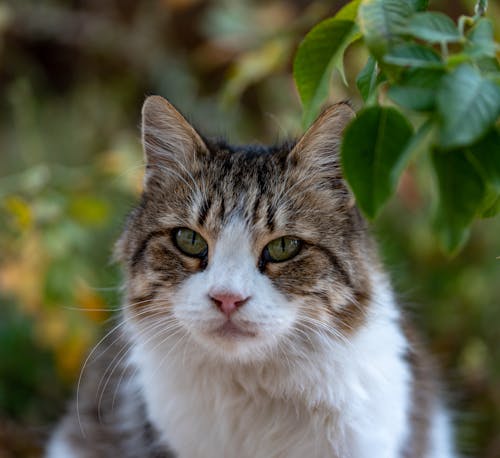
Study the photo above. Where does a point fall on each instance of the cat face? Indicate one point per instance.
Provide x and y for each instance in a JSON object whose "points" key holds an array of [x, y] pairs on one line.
{"points": [[244, 250]]}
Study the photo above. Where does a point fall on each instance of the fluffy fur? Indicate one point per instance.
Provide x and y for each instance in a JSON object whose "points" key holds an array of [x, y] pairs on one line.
{"points": [[317, 361]]}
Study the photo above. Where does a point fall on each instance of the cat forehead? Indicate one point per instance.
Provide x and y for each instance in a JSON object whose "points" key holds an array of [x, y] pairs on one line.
{"points": [[256, 184], [230, 177], [233, 163]]}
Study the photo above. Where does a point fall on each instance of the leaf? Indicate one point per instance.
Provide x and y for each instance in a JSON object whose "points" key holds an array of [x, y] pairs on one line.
{"points": [[417, 89], [488, 65], [481, 40], [89, 210], [461, 194], [493, 209], [349, 12], [20, 211], [319, 53], [413, 55], [419, 143], [374, 144], [419, 5], [485, 154], [468, 105], [367, 78], [433, 27], [254, 66], [382, 22], [456, 60]]}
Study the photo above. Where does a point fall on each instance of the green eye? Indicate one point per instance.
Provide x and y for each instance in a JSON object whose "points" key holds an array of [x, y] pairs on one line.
{"points": [[282, 249], [190, 242]]}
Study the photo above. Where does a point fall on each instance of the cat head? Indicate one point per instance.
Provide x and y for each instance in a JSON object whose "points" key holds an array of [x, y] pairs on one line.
{"points": [[244, 250]]}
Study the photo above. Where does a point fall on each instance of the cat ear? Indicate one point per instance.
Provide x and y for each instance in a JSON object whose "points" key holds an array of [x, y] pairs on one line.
{"points": [[318, 151], [167, 138]]}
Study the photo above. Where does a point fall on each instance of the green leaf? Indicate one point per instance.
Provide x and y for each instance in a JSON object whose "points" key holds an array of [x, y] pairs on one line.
{"points": [[493, 209], [485, 154], [382, 22], [367, 79], [417, 89], [481, 40], [461, 194], [456, 60], [433, 27], [319, 53], [420, 142], [373, 147], [468, 105], [348, 12], [413, 55], [419, 5], [488, 65]]}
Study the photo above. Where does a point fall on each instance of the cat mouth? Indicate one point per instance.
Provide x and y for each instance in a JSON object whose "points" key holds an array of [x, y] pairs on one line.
{"points": [[231, 330]]}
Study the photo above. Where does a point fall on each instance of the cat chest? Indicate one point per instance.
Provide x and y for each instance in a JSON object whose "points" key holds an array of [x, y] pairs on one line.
{"points": [[230, 424]]}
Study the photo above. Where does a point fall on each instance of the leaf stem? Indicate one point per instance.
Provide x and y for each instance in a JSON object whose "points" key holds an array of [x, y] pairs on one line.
{"points": [[462, 22], [444, 50], [479, 12]]}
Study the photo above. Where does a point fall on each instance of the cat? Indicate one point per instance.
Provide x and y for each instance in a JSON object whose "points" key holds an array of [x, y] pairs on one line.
{"points": [[258, 321]]}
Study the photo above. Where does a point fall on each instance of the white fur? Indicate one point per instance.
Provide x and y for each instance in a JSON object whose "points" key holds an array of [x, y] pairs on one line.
{"points": [[441, 435], [282, 393], [232, 269], [58, 447]]}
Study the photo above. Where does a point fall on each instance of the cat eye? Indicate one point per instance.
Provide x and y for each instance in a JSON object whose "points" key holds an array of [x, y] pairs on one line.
{"points": [[281, 249], [190, 242]]}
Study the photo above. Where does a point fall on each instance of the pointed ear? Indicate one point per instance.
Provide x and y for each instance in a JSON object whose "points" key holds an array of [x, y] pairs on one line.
{"points": [[167, 138], [318, 150]]}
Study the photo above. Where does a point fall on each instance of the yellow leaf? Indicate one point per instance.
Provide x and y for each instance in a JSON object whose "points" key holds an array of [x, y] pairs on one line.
{"points": [[52, 328], [23, 276], [90, 302], [20, 211], [89, 210], [256, 65], [124, 164], [70, 355], [68, 340]]}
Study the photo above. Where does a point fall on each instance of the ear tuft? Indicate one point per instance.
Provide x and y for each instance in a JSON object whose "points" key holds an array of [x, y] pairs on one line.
{"points": [[167, 137], [319, 146]]}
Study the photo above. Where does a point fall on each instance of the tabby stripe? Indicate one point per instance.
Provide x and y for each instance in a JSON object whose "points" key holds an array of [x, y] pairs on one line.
{"points": [[337, 265], [270, 217], [322, 296], [138, 254], [255, 211], [261, 186], [205, 207], [143, 301], [222, 210]]}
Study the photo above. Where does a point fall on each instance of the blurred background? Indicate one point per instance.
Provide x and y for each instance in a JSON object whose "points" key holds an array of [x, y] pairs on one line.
{"points": [[73, 76]]}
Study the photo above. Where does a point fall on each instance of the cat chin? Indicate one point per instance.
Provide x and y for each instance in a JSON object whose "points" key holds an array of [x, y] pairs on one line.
{"points": [[232, 344], [231, 331]]}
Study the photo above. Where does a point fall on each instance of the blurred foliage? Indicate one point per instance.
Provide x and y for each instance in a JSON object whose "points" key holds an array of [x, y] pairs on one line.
{"points": [[430, 86], [73, 75]]}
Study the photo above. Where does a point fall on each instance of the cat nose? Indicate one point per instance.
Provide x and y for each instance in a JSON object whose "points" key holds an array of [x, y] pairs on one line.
{"points": [[228, 303]]}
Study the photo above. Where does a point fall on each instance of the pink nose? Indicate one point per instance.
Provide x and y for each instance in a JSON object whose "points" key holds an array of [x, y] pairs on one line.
{"points": [[228, 303]]}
